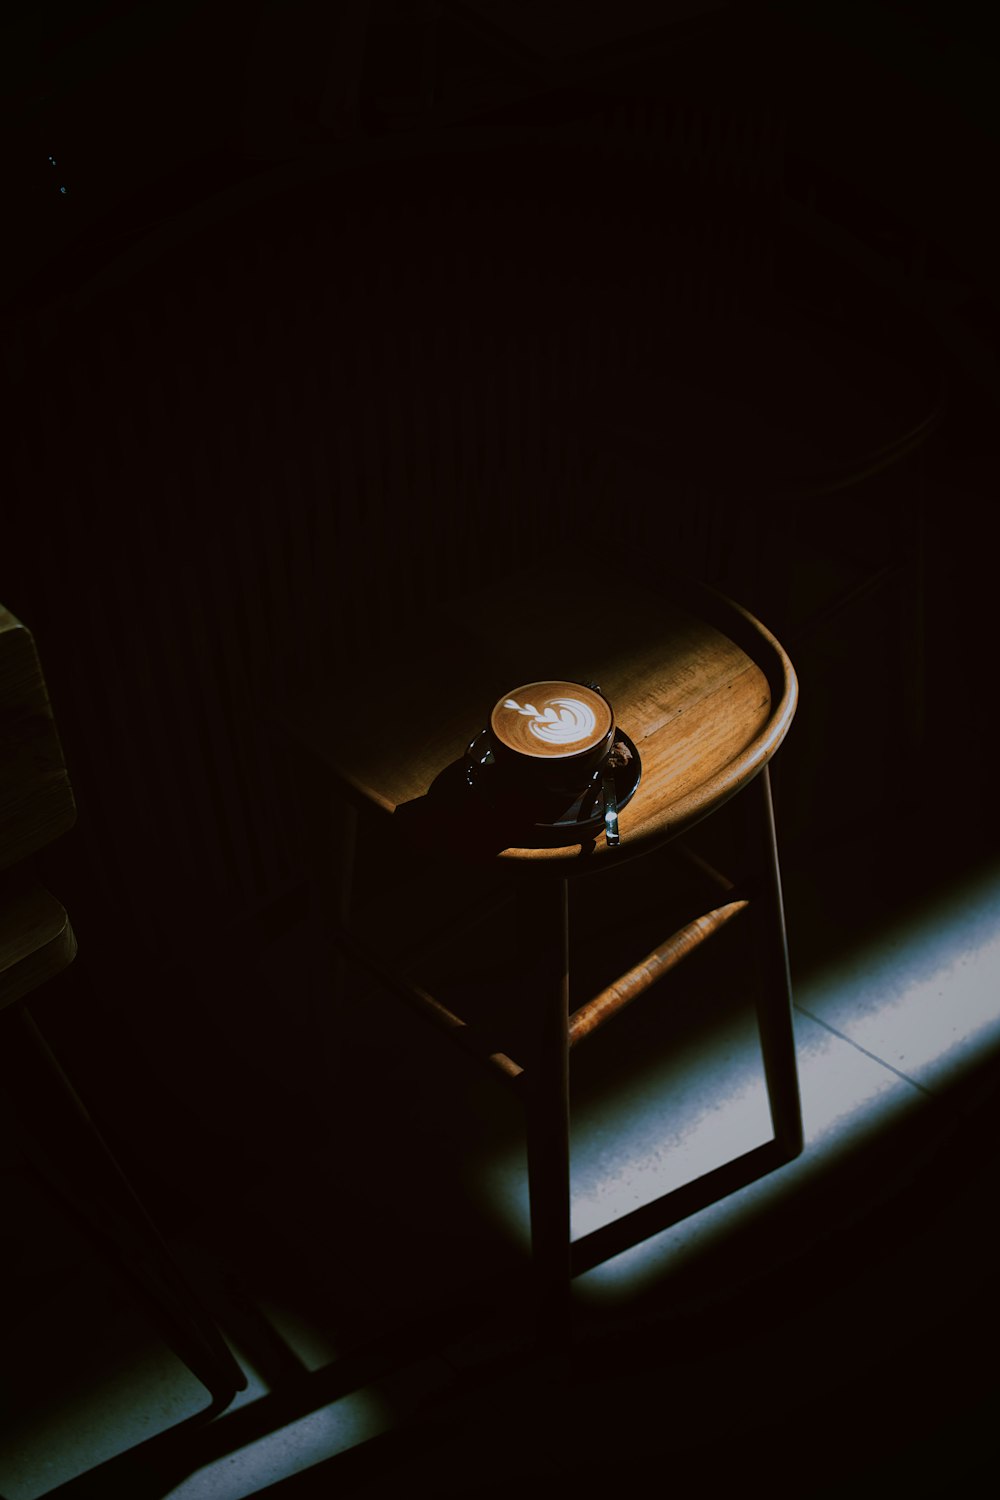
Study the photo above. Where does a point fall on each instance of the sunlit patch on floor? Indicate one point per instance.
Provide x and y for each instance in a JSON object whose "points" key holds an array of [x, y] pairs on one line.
{"points": [[924, 997], [846, 1096], [318, 1436], [94, 1411], [653, 1151], [908, 1009]]}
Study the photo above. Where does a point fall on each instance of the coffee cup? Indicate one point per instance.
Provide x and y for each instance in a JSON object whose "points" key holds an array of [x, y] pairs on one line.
{"points": [[548, 738]]}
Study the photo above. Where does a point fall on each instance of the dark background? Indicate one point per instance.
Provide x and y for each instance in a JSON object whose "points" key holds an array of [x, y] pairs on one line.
{"points": [[342, 309]]}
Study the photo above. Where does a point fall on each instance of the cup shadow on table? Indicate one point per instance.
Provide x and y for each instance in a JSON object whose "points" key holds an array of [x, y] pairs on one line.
{"points": [[453, 820]]}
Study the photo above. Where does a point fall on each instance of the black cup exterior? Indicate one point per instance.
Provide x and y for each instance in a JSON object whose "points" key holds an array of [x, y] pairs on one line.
{"points": [[551, 776]]}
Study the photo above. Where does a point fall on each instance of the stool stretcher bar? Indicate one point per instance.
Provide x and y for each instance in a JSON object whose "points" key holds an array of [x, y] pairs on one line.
{"points": [[586, 1020], [466, 1036]]}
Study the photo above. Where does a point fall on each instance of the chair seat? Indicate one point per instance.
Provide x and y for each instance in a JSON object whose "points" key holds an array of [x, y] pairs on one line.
{"points": [[701, 688], [36, 939]]}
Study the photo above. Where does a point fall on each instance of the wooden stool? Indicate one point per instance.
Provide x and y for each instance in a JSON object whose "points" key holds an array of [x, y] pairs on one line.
{"points": [[37, 943], [706, 696]]}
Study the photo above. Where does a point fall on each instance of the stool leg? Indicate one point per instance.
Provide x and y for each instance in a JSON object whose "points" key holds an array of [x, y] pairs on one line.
{"points": [[547, 1105], [774, 1005]]}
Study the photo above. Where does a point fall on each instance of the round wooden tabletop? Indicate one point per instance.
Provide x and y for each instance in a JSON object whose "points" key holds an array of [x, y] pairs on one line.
{"points": [[702, 690]]}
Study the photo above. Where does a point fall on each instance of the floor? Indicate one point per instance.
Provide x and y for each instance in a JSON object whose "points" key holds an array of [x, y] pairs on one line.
{"points": [[817, 1329]]}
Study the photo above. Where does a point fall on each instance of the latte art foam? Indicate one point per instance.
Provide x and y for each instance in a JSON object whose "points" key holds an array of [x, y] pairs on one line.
{"points": [[564, 721], [546, 719]]}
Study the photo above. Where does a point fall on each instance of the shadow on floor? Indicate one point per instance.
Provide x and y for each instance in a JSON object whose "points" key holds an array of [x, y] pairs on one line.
{"points": [[820, 1328]]}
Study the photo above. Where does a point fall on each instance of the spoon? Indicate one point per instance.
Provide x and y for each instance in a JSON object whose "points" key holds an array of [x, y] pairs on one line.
{"points": [[610, 808]]}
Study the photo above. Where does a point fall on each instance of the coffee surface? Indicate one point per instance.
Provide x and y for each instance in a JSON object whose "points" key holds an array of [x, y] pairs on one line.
{"points": [[550, 720]]}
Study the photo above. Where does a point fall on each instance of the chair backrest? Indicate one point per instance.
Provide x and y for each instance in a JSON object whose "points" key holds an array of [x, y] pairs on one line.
{"points": [[36, 799]]}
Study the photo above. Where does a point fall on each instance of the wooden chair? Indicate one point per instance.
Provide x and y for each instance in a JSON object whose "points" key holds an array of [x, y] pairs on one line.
{"points": [[37, 943], [705, 694]]}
